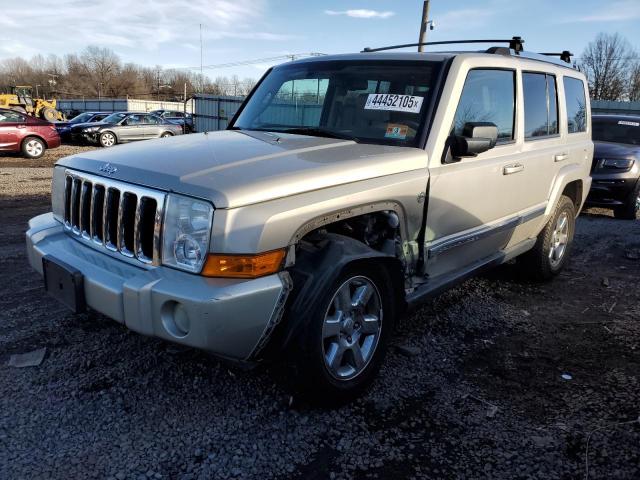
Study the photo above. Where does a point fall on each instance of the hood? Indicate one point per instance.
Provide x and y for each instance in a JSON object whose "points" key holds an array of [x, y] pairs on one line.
{"points": [[615, 150], [235, 168]]}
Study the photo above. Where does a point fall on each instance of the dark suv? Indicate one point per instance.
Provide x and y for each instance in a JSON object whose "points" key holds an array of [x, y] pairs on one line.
{"points": [[616, 164]]}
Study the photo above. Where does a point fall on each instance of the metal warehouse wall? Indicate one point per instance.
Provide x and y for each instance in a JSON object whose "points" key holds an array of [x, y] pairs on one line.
{"points": [[624, 108], [120, 105], [214, 112]]}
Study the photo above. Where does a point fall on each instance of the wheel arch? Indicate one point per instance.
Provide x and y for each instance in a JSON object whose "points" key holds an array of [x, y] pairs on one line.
{"points": [[33, 135], [317, 266]]}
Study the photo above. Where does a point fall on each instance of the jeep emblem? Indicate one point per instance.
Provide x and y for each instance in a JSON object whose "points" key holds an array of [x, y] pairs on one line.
{"points": [[108, 169]]}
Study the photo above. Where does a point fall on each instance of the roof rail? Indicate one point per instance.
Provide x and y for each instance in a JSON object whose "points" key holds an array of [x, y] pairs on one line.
{"points": [[515, 43], [565, 55]]}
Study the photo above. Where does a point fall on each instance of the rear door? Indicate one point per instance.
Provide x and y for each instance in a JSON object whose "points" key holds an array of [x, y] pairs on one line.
{"points": [[12, 128], [151, 126]]}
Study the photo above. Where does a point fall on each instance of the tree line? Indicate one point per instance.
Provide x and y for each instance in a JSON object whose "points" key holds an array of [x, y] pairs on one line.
{"points": [[610, 62], [99, 72]]}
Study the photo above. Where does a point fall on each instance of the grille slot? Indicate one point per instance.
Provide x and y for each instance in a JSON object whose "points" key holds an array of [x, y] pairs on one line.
{"points": [[120, 218]]}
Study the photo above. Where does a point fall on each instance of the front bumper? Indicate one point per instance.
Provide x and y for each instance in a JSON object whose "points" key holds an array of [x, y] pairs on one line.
{"points": [[231, 318], [611, 189]]}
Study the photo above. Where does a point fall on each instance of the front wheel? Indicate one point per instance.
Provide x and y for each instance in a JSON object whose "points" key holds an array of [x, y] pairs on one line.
{"points": [[107, 139], [166, 134], [553, 246], [33, 148], [629, 211], [341, 350]]}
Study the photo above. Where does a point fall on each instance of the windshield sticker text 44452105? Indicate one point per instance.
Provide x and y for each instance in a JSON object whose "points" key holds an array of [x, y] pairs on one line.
{"points": [[392, 101]]}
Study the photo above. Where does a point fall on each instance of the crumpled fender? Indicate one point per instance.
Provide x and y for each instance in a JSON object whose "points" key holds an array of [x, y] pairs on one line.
{"points": [[317, 267]]}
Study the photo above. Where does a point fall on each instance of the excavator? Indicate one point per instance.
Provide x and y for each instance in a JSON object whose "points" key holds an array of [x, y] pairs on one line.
{"points": [[21, 100]]}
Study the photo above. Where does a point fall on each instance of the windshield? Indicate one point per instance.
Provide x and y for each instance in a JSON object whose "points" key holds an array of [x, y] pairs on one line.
{"points": [[622, 130], [381, 102], [82, 118], [114, 117]]}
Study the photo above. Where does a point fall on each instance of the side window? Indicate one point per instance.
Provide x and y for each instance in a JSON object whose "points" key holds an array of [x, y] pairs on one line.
{"points": [[540, 105], [7, 116], [488, 96], [576, 105], [150, 120]]}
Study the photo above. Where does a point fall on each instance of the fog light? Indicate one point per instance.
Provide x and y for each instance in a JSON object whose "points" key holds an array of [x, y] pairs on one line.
{"points": [[175, 319]]}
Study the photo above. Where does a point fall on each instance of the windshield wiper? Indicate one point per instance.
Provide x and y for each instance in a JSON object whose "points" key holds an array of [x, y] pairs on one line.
{"points": [[316, 132]]}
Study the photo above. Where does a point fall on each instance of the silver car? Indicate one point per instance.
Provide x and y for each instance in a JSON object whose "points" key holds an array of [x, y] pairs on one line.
{"points": [[347, 189], [121, 127]]}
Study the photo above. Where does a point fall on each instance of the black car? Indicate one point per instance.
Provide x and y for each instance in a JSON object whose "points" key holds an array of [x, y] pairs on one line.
{"points": [[64, 128], [616, 164], [179, 118]]}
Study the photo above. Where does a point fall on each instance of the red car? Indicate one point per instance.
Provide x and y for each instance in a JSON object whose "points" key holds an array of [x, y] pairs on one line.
{"points": [[20, 132]]}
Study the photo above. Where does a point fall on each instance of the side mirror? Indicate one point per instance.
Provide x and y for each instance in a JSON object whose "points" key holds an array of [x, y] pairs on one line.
{"points": [[477, 137]]}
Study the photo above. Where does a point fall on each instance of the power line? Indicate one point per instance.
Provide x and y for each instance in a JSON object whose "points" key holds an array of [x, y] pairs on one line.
{"points": [[242, 63]]}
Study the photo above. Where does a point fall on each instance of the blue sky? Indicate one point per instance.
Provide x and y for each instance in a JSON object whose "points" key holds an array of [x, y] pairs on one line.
{"points": [[166, 32]]}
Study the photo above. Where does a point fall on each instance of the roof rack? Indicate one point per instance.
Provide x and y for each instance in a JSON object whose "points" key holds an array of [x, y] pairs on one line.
{"points": [[565, 55], [515, 43]]}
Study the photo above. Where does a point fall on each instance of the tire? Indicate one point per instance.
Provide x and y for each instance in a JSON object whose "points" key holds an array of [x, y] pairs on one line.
{"points": [[629, 211], [49, 114], [108, 139], [33, 147], [553, 246], [333, 362], [166, 134]]}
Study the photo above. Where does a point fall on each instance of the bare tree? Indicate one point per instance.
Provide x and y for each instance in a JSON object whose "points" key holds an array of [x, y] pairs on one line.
{"points": [[607, 62], [634, 83]]}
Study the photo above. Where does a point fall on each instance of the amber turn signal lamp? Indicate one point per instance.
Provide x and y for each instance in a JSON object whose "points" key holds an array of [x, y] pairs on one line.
{"points": [[243, 266]]}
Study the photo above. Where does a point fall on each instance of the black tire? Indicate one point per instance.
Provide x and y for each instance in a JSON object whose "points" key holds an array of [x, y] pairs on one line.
{"points": [[629, 211], [107, 139], [49, 114], [312, 377], [166, 134], [537, 263], [33, 147]]}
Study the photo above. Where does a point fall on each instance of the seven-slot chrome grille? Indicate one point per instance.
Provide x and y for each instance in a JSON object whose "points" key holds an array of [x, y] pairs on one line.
{"points": [[116, 216]]}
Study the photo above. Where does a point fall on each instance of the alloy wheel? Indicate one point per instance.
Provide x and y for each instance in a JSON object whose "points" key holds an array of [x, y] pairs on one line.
{"points": [[34, 148], [108, 140], [559, 239], [352, 327]]}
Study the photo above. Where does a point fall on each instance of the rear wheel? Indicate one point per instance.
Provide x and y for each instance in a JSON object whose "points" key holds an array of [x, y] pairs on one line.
{"points": [[33, 147], [166, 134], [553, 246], [629, 211], [341, 351], [108, 139]]}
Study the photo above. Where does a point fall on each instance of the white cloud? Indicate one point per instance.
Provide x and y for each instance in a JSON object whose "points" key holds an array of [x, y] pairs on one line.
{"points": [[361, 13], [139, 25], [613, 12]]}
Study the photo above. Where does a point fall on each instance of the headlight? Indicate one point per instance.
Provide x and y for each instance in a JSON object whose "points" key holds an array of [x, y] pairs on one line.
{"points": [[617, 163], [187, 228], [57, 193]]}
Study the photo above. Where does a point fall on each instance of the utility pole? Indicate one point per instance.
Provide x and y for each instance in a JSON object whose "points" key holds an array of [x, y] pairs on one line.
{"points": [[201, 77], [423, 25]]}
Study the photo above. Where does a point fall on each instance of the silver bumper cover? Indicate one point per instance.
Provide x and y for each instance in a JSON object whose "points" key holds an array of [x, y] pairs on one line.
{"points": [[229, 317]]}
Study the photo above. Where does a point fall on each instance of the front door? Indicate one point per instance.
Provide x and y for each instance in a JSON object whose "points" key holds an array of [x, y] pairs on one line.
{"points": [[131, 129], [474, 201]]}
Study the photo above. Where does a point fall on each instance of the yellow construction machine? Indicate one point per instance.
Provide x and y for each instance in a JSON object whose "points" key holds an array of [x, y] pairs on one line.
{"points": [[21, 99]]}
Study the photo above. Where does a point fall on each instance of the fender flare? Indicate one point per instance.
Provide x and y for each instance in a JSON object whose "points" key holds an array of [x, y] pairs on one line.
{"points": [[566, 175], [316, 268]]}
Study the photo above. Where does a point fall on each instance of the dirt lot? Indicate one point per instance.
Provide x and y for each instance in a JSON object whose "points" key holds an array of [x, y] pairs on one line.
{"points": [[498, 378]]}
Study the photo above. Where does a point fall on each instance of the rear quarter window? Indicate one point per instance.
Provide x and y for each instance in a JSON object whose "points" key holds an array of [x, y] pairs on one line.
{"points": [[576, 104]]}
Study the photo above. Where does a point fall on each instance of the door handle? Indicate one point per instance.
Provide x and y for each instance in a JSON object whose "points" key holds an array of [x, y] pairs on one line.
{"points": [[513, 168], [561, 157]]}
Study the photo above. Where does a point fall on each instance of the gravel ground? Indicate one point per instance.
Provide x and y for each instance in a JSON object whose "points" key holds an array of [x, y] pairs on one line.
{"points": [[474, 387]]}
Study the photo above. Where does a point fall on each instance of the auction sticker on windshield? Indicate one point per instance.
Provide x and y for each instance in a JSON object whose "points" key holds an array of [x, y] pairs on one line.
{"points": [[392, 101]]}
